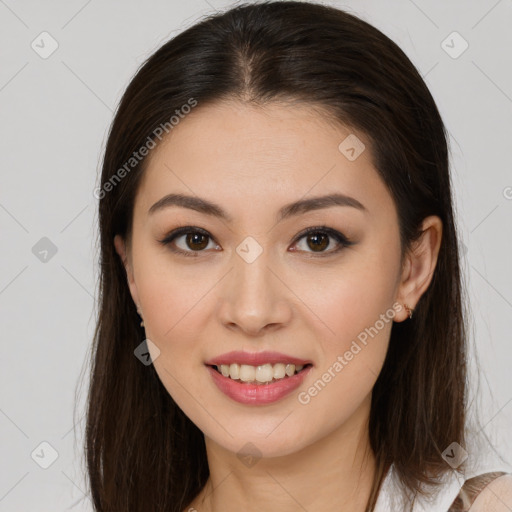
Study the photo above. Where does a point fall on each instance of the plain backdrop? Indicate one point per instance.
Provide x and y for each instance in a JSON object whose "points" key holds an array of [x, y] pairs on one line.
{"points": [[55, 113]]}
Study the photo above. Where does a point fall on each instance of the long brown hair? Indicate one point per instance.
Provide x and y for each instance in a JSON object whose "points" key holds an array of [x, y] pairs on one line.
{"points": [[142, 452]]}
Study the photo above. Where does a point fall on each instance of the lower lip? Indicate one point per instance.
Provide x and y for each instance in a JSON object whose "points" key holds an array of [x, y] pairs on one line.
{"points": [[257, 394]]}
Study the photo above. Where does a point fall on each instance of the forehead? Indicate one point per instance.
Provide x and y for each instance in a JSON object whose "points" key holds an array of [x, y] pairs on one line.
{"points": [[234, 152]]}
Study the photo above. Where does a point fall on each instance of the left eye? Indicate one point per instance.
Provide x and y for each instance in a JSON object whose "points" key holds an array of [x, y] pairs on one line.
{"points": [[318, 240]]}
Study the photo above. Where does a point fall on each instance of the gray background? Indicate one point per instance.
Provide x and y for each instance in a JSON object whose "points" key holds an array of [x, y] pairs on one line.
{"points": [[55, 113]]}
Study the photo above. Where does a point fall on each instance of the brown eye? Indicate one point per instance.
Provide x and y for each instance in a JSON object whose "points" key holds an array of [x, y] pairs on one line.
{"points": [[318, 242], [188, 241], [196, 241], [318, 239]]}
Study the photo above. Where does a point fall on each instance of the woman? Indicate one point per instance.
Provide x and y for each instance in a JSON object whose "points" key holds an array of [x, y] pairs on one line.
{"points": [[275, 204]]}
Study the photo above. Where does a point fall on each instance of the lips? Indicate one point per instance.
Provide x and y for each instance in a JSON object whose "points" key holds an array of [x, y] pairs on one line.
{"points": [[257, 393], [256, 359]]}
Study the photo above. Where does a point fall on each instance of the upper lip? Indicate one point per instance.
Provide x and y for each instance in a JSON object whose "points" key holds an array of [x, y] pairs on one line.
{"points": [[255, 358]]}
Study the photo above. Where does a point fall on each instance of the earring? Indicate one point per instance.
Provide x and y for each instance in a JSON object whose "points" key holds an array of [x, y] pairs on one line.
{"points": [[142, 320], [409, 310]]}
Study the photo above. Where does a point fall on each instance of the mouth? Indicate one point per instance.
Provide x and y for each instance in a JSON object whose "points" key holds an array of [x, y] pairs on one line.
{"points": [[258, 378], [258, 385], [260, 375]]}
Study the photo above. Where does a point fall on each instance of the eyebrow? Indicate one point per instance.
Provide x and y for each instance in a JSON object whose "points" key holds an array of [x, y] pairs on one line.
{"points": [[290, 210]]}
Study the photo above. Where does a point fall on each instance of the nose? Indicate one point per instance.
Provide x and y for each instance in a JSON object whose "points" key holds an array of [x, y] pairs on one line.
{"points": [[254, 299]]}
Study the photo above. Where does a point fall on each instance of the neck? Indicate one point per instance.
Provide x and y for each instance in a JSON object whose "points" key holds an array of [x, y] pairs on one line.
{"points": [[334, 473]]}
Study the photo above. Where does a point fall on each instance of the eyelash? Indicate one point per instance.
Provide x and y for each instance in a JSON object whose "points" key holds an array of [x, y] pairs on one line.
{"points": [[339, 237]]}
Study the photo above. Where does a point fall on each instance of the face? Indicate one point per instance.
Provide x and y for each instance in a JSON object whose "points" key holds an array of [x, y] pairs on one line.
{"points": [[253, 280]]}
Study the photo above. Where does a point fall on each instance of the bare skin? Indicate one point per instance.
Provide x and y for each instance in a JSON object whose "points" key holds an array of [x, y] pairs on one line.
{"points": [[495, 497], [293, 298]]}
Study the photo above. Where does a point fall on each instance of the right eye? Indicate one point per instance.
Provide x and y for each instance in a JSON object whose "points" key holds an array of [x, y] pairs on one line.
{"points": [[193, 240]]}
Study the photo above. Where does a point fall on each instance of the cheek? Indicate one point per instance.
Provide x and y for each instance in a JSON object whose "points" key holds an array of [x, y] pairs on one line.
{"points": [[178, 303], [175, 298], [354, 310], [359, 319], [349, 299], [350, 360], [175, 305]]}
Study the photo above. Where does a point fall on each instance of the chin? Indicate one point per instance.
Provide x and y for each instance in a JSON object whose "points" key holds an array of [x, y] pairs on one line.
{"points": [[260, 439]]}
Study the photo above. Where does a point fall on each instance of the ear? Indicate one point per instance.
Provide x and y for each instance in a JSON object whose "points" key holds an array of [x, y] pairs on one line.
{"points": [[124, 254], [419, 265]]}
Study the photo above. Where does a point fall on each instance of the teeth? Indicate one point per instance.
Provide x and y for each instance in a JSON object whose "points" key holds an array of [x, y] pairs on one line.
{"points": [[264, 373], [234, 371], [279, 372], [247, 373], [259, 374]]}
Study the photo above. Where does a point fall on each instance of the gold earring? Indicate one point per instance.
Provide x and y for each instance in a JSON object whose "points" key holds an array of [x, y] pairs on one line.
{"points": [[142, 320], [409, 310]]}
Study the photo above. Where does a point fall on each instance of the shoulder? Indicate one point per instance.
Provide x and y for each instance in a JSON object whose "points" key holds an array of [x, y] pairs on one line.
{"points": [[495, 497]]}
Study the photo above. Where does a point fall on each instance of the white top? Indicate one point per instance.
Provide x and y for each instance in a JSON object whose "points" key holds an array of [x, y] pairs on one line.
{"points": [[391, 496]]}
